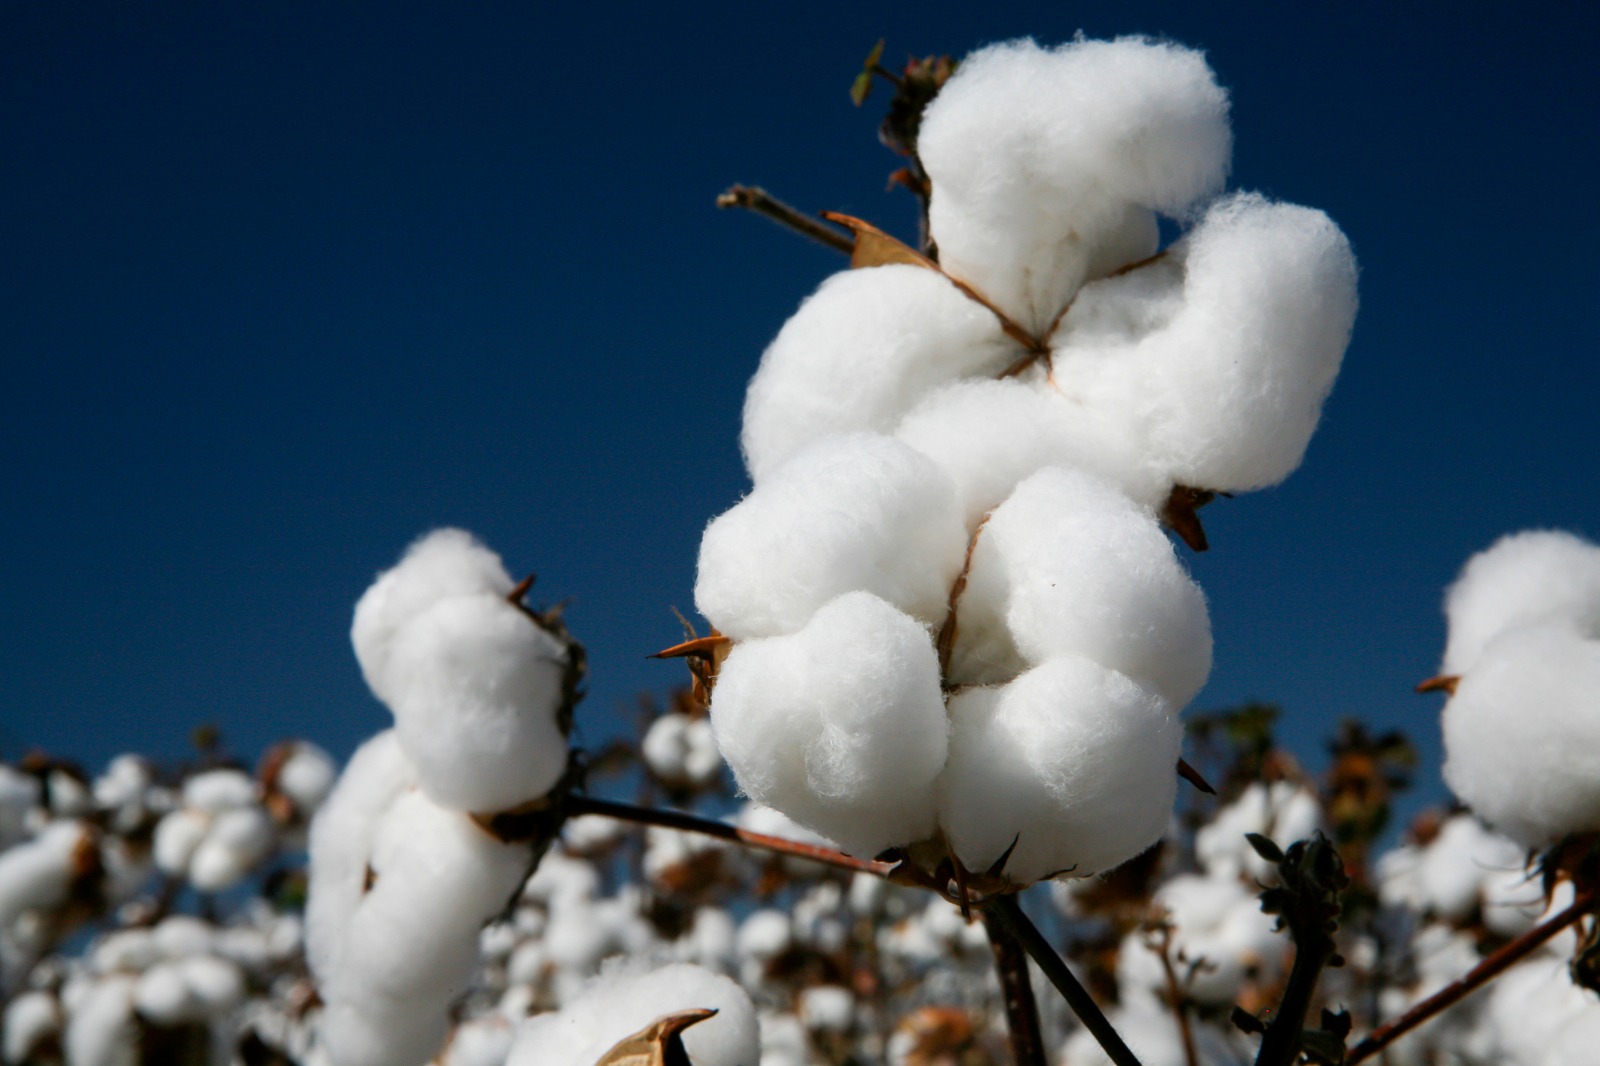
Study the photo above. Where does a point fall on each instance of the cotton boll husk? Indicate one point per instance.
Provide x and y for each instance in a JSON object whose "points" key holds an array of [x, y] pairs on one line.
{"points": [[841, 726], [341, 844], [619, 1003], [1538, 577], [475, 687], [990, 435], [439, 566], [1070, 566], [1522, 736], [854, 512], [1073, 761], [235, 843], [1230, 389], [859, 353], [1042, 158]]}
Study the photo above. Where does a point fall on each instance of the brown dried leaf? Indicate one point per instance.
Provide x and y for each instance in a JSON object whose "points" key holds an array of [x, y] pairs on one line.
{"points": [[877, 248], [658, 1044]]}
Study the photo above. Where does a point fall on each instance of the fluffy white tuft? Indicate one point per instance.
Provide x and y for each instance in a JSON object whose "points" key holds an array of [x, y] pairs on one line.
{"points": [[1535, 577]]}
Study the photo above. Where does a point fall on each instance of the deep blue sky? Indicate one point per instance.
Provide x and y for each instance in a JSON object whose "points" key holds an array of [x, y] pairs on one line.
{"points": [[286, 284]]}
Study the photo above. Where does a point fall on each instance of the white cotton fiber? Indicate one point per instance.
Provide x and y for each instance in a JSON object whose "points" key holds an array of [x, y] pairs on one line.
{"points": [[475, 687], [341, 843], [235, 843], [989, 435], [1522, 736], [1282, 811], [1537, 577], [852, 512], [439, 566], [1073, 761], [840, 726], [307, 776], [38, 873], [30, 1018], [1230, 388], [101, 1029], [860, 353], [619, 1003], [1220, 938], [681, 751], [1070, 566], [215, 791], [1044, 159], [177, 836]]}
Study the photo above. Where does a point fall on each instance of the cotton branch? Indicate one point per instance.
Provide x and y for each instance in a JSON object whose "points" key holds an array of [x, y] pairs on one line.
{"points": [[1475, 978], [1022, 1010], [691, 823], [754, 198]]}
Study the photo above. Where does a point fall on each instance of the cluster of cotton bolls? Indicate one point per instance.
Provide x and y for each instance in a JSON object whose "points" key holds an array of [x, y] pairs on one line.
{"points": [[403, 876], [1522, 663], [955, 616]]}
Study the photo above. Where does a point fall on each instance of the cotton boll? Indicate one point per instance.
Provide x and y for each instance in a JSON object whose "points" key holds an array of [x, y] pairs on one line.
{"points": [[441, 565], [1072, 761], [840, 726], [215, 791], [341, 844], [19, 794], [859, 353], [1040, 158], [1539, 577], [990, 435], [38, 873], [216, 984], [1229, 391], [307, 776], [30, 1019], [482, 1041], [1219, 933], [1522, 739], [237, 841], [380, 1031], [681, 751], [619, 1004], [180, 936], [165, 998], [827, 1008], [1454, 867], [177, 836], [69, 795], [854, 512], [1282, 811], [101, 1030], [475, 687], [125, 949], [1070, 566]]}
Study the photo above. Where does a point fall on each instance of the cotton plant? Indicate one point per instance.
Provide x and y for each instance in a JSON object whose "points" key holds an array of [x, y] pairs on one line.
{"points": [[954, 630]]}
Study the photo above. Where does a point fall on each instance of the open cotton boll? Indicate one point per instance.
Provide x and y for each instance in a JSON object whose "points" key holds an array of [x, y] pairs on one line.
{"points": [[38, 873], [1072, 761], [854, 512], [439, 566], [475, 687], [1070, 566], [19, 794], [990, 435], [620, 1003], [380, 1032], [1536, 577], [1231, 389], [30, 1019], [408, 948], [177, 836], [859, 353], [681, 750], [219, 790], [341, 843], [101, 1029], [840, 726], [1282, 811], [1522, 738], [1220, 939], [306, 777], [235, 843], [1041, 157]]}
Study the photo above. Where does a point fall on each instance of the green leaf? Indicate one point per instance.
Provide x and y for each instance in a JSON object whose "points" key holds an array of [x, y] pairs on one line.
{"points": [[863, 83]]}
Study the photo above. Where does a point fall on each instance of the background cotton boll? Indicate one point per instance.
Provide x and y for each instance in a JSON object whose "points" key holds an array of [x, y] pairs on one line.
{"points": [[1454, 869], [1070, 566], [1282, 811], [165, 998], [1041, 157], [236, 841], [37, 874], [19, 794], [341, 844], [177, 836], [475, 689], [380, 1032], [855, 512], [859, 353], [100, 1028], [990, 435], [1074, 761], [1535, 577], [681, 750], [1218, 928], [841, 726], [441, 565], [1242, 371], [1522, 736], [307, 777], [618, 1004], [219, 790], [30, 1019]]}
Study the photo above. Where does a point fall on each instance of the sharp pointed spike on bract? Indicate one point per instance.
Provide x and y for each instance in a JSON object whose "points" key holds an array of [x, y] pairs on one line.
{"points": [[1191, 775], [522, 588], [697, 647], [998, 867], [1445, 683]]}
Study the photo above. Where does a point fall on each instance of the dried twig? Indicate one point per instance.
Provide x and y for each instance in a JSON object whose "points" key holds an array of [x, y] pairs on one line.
{"points": [[1475, 978], [754, 198], [1022, 1011]]}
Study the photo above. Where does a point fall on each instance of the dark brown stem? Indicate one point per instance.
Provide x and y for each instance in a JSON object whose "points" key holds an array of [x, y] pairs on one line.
{"points": [[1175, 997], [753, 198], [1280, 1045], [1475, 978], [1022, 1012], [1010, 913], [693, 823], [946, 642]]}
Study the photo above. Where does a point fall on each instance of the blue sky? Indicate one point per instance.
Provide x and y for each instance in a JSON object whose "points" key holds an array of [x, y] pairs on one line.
{"points": [[287, 284]]}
